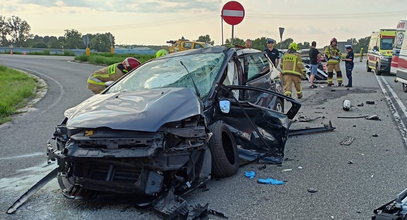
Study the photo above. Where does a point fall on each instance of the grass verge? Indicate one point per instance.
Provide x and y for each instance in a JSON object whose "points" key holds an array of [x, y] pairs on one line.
{"points": [[108, 58], [15, 88]]}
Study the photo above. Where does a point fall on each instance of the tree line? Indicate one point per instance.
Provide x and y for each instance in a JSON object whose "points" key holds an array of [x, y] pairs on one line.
{"points": [[15, 32]]}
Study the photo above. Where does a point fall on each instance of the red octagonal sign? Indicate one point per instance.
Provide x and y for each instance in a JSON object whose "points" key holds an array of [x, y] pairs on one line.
{"points": [[233, 13]]}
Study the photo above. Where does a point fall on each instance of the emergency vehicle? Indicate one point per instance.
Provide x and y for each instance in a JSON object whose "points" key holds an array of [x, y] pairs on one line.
{"points": [[401, 75], [398, 41], [380, 51]]}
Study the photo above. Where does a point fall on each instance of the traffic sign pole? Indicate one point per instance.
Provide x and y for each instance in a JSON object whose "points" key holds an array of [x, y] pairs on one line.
{"points": [[232, 13]]}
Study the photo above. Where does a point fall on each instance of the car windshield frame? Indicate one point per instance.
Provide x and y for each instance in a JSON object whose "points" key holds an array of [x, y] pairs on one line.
{"points": [[169, 73]]}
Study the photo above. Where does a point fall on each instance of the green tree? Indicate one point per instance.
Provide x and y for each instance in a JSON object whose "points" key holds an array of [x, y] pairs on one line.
{"points": [[19, 31], [284, 44], [236, 42], [259, 43], [100, 42], [53, 42], [206, 39], [4, 31], [73, 40]]}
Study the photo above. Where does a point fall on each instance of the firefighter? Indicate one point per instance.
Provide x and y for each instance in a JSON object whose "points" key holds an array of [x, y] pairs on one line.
{"points": [[293, 69], [97, 80], [333, 55]]}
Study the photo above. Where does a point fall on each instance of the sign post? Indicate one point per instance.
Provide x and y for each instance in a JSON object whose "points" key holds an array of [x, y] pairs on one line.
{"points": [[232, 13]]}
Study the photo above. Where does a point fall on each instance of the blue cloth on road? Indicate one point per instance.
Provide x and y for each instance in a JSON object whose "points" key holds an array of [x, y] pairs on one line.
{"points": [[271, 181], [250, 174]]}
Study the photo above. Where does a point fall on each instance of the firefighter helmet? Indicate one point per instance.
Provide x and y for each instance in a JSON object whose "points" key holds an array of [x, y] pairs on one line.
{"points": [[130, 63], [293, 46], [161, 53], [334, 40]]}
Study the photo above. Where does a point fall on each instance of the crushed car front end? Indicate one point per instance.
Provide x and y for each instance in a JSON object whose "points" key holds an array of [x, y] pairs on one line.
{"points": [[122, 158]]}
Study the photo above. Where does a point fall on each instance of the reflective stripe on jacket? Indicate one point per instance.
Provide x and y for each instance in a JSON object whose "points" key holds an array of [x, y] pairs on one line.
{"points": [[333, 54], [292, 64], [109, 73]]}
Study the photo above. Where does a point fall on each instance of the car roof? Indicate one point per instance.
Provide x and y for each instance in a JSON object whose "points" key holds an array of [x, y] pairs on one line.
{"points": [[216, 49], [247, 51]]}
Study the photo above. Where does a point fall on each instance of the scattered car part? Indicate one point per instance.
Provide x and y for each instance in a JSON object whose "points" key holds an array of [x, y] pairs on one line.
{"points": [[346, 105], [250, 174], [370, 102], [347, 141], [352, 117], [393, 210], [23, 198], [373, 117], [312, 190], [325, 128], [270, 181]]}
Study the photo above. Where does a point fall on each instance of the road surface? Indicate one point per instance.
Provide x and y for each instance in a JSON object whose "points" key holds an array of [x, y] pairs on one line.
{"points": [[350, 180]]}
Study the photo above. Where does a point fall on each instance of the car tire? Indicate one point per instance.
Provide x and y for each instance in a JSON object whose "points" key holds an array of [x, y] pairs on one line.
{"points": [[225, 159], [368, 69]]}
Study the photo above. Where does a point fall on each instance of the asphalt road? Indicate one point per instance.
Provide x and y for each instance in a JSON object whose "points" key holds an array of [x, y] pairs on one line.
{"points": [[350, 180]]}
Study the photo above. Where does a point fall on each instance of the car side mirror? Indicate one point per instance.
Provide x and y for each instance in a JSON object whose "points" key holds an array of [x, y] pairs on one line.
{"points": [[224, 106], [109, 83]]}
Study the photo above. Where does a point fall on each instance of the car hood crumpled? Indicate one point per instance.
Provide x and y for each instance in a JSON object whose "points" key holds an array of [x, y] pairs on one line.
{"points": [[144, 110]]}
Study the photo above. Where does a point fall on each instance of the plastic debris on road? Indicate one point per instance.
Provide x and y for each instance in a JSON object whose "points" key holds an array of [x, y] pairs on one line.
{"points": [[270, 181], [250, 174], [347, 141], [373, 117]]}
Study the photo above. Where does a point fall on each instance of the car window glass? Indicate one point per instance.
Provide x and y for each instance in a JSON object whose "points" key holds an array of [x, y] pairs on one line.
{"points": [[257, 65], [386, 43], [187, 45], [164, 73], [196, 46]]}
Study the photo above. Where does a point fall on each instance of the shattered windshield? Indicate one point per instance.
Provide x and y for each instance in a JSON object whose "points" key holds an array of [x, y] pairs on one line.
{"points": [[169, 72]]}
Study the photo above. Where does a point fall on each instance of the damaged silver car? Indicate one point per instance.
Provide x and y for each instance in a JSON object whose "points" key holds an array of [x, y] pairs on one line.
{"points": [[173, 123]]}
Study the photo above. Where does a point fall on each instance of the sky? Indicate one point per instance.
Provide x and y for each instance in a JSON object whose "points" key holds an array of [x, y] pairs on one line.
{"points": [[153, 22]]}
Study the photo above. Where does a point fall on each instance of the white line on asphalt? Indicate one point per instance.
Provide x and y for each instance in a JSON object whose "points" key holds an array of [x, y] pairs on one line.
{"points": [[398, 100], [61, 88], [23, 156], [396, 115]]}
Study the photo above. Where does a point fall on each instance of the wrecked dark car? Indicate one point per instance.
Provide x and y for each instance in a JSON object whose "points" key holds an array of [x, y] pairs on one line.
{"points": [[173, 123]]}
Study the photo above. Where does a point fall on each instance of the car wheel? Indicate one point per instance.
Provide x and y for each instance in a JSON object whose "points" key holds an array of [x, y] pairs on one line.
{"points": [[368, 69], [279, 106], [225, 159], [404, 87]]}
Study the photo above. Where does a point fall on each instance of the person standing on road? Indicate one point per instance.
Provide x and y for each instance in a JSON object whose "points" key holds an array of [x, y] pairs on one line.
{"points": [[334, 56], [97, 80], [349, 64], [293, 69], [314, 57], [272, 52]]}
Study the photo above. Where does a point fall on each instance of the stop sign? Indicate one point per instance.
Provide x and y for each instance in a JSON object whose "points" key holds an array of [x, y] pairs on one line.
{"points": [[233, 13]]}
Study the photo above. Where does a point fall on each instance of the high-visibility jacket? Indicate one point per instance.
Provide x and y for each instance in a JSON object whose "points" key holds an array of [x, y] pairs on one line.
{"points": [[292, 64], [97, 80], [333, 54]]}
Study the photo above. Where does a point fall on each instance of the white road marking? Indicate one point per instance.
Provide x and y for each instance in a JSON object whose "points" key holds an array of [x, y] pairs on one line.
{"points": [[61, 88], [396, 115], [23, 156]]}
